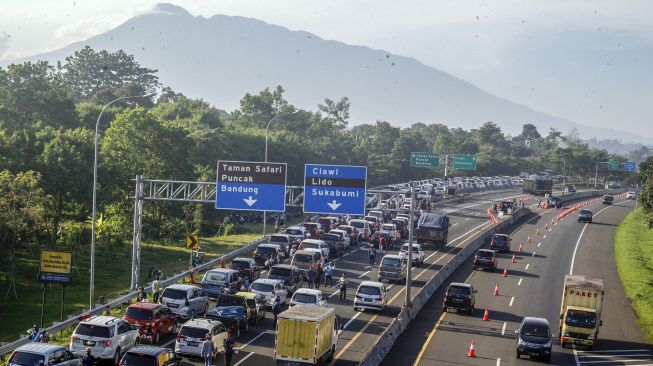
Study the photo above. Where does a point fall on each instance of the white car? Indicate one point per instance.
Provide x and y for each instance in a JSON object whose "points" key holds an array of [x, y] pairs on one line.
{"points": [[343, 235], [418, 253], [391, 229], [371, 295], [107, 337], [363, 228], [193, 333], [308, 297], [631, 195], [266, 286], [377, 214], [187, 301], [320, 245]]}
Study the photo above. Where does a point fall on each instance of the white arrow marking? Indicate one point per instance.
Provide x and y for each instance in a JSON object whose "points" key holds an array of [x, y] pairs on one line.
{"points": [[249, 201], [334, 205]]}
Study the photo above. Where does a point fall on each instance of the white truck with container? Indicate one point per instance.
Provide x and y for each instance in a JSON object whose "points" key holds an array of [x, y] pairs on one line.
{"points": [[580, 312], [306, 335]]}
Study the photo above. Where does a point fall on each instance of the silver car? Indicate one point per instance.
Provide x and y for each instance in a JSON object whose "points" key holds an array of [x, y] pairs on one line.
{"points": [[106, 336], [187, 301], [35, 354]]}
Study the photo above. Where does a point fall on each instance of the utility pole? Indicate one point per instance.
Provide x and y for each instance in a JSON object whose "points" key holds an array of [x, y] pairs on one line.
{"points": [[409, 274], [596, 174]]}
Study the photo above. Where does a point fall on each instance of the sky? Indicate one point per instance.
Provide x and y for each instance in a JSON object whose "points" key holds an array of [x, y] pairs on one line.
{"points": [[588, 61]]}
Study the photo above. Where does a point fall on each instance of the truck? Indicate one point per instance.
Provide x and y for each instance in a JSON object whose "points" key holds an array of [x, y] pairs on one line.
{"points": [[580, 312], [432, 228], [538, 186], [306, 335]]}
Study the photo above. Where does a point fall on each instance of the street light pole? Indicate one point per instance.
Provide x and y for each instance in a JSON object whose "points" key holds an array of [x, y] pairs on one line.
{"points": [[266, 156], [409, 272], [94, 212]]}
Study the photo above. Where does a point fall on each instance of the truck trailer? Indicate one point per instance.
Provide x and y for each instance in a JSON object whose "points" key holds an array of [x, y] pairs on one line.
{"points": [[306, 335], [580, 312]]}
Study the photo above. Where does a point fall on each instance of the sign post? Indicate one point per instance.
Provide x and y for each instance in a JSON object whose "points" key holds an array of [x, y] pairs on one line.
{"points": [[613, 165], [424, 160], [335, 189], [630, 166], [251, 186], [56, 267], [464, 162]]}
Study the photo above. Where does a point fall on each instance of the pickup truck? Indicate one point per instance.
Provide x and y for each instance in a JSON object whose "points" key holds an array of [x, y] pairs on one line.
{"points": [[580, 312], [306, 335], [432, 228]]}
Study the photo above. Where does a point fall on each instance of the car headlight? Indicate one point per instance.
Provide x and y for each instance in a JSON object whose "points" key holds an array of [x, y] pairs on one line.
{"points": [[590, 337], [520, 342], [565, 334], [547, 344]]}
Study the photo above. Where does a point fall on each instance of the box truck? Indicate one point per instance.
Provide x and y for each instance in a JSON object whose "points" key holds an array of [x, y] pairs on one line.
{"points": [[580, 312], [306, 335]]}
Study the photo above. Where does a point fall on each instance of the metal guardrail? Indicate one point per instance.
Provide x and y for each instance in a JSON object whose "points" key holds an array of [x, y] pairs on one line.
{"points": [[9, 347]]}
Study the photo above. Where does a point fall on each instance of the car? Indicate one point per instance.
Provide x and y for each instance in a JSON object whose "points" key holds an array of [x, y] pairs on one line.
{"points": [[187, 301], [320, 245], [352, 233], [417, 255], [344, 236], [266, 287], [391, 229], [193, 333], [106, 336], [35, 354], [282, 240], [485, 259], [308, 297], [377, 214], [150, 356], [326, 224], [255, 306], [500, 242], [608, 199], [304, 259], [217, 281], [289, 274], [314, 229], [585, 216], [392, 268], [296, 233], [459, 296], [158, 316], [374, 222], [232, 312], [371, 295], [631, 195], [267, 255], [363, 228], [555, 202], [402, 227], [534, 338], [247, 268], [335, 242]]}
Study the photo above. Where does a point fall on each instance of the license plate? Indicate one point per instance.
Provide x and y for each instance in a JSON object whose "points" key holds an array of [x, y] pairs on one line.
{"points": [[368, 300], [458, 300], [171, 305], [89, 343], [535, 354], [192, 344]]}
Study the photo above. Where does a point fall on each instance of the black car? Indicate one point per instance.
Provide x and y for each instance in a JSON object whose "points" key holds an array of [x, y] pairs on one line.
{"points": [[534, 338], [234, 317], [459, 296], [336, 244], [500, 242], [585, 216], [555, 202], [150, 356], [291, 276], [247, 268], [607, 199], [267, 255], [485, 259]]}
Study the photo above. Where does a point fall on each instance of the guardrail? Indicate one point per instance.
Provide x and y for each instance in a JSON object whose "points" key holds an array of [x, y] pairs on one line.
{"points": [[9, 347]]}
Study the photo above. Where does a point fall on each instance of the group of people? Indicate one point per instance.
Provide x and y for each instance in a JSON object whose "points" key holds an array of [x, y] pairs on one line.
{"points": [[38, 335], [156, 291], [228, 349]]}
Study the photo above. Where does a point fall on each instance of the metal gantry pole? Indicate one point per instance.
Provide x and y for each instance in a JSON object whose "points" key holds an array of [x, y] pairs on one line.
{"points": [[596, 174], [138, 220], [409, 274]]}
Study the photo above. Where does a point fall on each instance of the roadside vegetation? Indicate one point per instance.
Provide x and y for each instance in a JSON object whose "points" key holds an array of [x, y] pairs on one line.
{"points": [[634, 257]]}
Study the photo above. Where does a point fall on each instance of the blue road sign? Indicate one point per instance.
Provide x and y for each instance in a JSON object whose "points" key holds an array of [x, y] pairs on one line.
{"points": [[335, 189], [251, 186], [630, 166]]}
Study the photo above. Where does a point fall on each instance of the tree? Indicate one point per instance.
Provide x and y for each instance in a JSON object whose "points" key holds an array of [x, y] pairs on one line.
{"points": [[529, 134], [337, 114]]}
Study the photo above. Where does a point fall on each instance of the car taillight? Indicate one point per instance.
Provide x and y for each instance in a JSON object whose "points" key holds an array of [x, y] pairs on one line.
{"points": [[74, 339], [107, 343], [378, 298], [120, 363], [180, 337], [359, 296]]}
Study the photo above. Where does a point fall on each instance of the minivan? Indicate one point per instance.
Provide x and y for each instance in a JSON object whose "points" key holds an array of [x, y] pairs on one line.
{"points": [[187, 301], [289, 274], [215, 281], [303, 259], [392, 268], [534, 338]]}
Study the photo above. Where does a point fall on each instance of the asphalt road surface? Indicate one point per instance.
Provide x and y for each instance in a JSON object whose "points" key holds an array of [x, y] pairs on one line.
{"points": [[362, 329], [533, 288]]}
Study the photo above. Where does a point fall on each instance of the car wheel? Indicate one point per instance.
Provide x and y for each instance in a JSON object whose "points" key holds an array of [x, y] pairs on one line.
{"points": [[116, 357], [517, 354], [444, 309]]}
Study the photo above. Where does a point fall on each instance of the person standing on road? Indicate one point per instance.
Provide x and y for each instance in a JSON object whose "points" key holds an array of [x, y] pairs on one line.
{"points": [[311, 276], [45, 337], [343, 287], [88, 360], [208, 350], [328, 279], [142, 295], [372, 253], [276, 309], [156, 289], [381, 243], [229, 346], [319, 272]]}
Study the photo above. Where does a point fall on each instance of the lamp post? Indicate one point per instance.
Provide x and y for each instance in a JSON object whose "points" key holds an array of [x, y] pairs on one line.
{"points": [[93, 215], [267, 128]]}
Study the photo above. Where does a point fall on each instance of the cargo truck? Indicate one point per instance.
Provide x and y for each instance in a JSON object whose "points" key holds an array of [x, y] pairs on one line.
{"points": [[306, 335], [580, 312], [538, 186], [432, 228]]}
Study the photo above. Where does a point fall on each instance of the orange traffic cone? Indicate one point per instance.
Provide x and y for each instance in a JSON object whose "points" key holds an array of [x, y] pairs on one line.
{"points": [[529, 239], [521, 247], [552, 222], [513, 259], [486, 315], [537, 231], [496, 289], [546, 226], [471, 352], [505, 272]]}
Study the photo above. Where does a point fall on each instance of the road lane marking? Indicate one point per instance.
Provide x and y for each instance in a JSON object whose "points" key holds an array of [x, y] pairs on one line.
{"points": [[467, 218], [243, 359], [538, 244], [527, 265], [432, 254], [454, 224], [519, 283], [503, 329], [428, 340], [511, 300], [576, 358], [365, 273], [349, 322], [498, 361], [533, 255], [544, 237], [253, 339]]}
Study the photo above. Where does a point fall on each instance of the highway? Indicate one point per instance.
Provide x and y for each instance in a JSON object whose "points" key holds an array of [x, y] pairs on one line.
{"points": [[361, 329], [533, 288]]}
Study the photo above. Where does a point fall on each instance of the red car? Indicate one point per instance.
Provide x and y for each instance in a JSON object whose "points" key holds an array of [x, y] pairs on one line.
{"points": [[141, 314]]}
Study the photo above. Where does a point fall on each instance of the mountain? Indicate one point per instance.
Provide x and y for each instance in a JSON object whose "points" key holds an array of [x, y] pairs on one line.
{"points": [[223, 57]]}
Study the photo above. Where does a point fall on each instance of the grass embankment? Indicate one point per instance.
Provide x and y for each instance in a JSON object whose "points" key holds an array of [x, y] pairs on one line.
{"points": [[633, 250], [112, 278]]}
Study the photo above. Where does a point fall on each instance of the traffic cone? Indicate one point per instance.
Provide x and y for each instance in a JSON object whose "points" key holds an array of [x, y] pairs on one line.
{"points": [[513, 259], [552, 222], [471, 352], [537, 231], [529, 239], [496, 289], [521, 247], [486, 315], [546, 226], [505, 272]]}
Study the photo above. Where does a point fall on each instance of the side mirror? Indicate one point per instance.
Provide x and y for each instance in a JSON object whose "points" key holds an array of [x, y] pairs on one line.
{"points": [[134, 327], [517, 332]]}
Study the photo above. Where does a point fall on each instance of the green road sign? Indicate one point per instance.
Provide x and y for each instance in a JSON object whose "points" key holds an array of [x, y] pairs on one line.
{"points": [[424, 160], [613, 165], [464, 162]]}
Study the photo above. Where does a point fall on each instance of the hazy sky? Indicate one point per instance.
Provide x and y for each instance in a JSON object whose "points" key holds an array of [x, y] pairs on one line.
{"points": [[589, 61]]}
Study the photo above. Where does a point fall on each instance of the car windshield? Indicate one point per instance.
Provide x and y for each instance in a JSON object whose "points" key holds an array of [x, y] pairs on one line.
{"points": [[293, 232], [347, 229], [174, 294], [304, 298], [278, 239], [276, 271], [500, 239], [138, 359], [92, 330], [215, 277], [369, 290], [484, 254], [391, 262], [459, 290], [193, 332], [330, 237], [262, 287], [239, 265], [266, 251], [26, 359], [307, 245], [303, 258], [388, 227], [583, 319], [535, 330], [585, 212], [357, 224], [138, 314]]}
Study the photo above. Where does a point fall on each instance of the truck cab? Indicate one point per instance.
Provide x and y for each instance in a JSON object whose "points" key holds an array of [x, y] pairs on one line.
{"points": [[580, 312]]}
